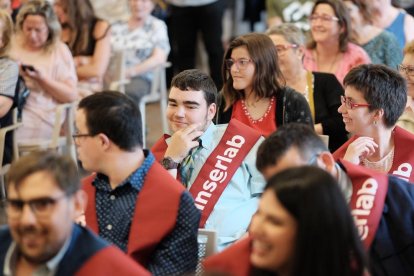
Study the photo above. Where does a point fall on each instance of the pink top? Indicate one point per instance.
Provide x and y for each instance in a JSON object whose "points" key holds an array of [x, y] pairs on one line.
{"points": [[39, 111], [353, 57]]}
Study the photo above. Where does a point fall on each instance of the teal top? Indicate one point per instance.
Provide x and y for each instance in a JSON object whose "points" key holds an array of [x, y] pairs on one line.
{"points": [[384, 49]]}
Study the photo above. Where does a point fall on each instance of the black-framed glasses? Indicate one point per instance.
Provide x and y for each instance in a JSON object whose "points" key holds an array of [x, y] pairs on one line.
{"points": [[351, 105], [407, 69], [323, 18], [41, 207], [241, 64], [78, 135]]}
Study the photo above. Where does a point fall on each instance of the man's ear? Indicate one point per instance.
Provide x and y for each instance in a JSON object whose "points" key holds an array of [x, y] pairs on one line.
{"points": [[327, 162], [80, 199], [105, 142], [211, 111]]}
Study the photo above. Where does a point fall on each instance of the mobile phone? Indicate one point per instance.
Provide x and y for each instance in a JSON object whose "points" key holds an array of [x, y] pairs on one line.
{"points": [[26, 67]]}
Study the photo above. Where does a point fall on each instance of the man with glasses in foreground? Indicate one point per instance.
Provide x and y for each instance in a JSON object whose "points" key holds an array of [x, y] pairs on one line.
{"points": [[132, 201], [382, 206], [406, 68], [44, 198]]}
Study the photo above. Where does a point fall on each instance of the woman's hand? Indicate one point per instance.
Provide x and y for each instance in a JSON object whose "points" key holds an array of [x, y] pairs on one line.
{"points": [[359, 149]]}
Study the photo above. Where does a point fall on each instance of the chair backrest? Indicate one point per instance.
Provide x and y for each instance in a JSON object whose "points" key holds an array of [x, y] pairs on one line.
{"points": [[207, 246], [325, 139], [115, 78]]}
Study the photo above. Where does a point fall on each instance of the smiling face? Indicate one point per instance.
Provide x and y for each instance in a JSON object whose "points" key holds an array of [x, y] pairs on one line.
{"points": [[141, 9], [273, 232], [409, 61], [40, 238], [358, 120], [242, 77], [325, 31], [188, 107]]}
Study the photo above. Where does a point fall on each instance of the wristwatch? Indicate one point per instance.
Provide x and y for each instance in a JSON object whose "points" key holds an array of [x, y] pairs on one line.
{"points": [[168, 163]]}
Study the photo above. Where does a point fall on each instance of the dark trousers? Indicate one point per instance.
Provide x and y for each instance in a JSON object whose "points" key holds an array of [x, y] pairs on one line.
{"points": [[184, 24]]}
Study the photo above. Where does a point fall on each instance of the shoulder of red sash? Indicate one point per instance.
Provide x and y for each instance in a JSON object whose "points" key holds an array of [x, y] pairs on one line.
{"points": [[159, 148], [90, 211], [234, 260], [369, 190], [220, 166], [340, 152], [155, 214], [111, 261], [403, 163]]}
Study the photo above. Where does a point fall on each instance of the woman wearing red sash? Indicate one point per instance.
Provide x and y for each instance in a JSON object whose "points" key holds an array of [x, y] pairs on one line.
{"points": [[302, 227], [375, 97]]}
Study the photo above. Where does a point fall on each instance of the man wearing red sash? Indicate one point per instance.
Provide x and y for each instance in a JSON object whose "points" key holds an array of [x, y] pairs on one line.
{"points": [[382, 205], [41, 238], [132, 201], [215, 162]]}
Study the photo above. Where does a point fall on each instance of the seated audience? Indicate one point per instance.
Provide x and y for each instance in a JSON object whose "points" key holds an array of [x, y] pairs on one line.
{"points": [[254, 92], [302, 227], [329, 50], [381, 45], [215, 162], [46, 65], [406, 68], [43, 199], [88, 38], [393, 19], [322, 90], [375, 97], [9, 72], [386, 230], [132, 201], [144, 41]]}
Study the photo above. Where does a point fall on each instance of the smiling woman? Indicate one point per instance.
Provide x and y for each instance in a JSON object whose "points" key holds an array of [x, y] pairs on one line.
{"points": [[302, 227], [329, 50]]}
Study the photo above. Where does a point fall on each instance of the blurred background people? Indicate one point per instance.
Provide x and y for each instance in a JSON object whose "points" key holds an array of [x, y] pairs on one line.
{"points": [[285, 233], [406, 69], [381, 45], [375, 97], [254, 91], [393, 19], [289, 11], [144, 40], [322, 90], [46, 65], [186, 19], [9, 73], [88, 38], [329, 49]]}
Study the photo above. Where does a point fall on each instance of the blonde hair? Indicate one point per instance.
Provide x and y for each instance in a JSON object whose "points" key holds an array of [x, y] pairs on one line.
{"points": [[409, 48], [42, 8], [7, 32]]}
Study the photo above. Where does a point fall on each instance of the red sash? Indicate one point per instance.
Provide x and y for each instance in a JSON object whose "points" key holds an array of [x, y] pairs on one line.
{"points": [[220, 166], [155, 213], [369, 189], [402, 166]]}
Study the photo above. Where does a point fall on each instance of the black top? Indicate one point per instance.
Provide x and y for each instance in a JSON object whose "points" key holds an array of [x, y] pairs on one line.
{"points": [[327, 94]]}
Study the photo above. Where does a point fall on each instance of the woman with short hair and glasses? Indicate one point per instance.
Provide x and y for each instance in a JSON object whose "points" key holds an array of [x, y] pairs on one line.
{"points": [[375, 97], [329, 49], [406, 69], [254, 90], [321, 90]]}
